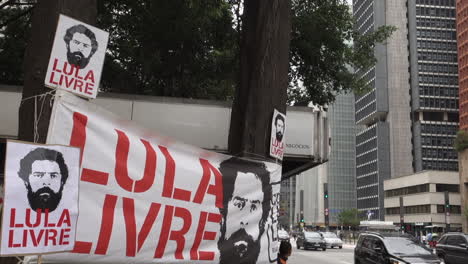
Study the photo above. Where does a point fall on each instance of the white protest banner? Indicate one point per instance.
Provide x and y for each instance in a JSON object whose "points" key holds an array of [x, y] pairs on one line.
{"points": [[278, 126], [77, 57], [145, 198], [41, 198]]}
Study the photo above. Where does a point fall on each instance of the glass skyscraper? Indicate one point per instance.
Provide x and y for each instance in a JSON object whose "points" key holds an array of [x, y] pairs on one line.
{"points": [[409, 118], [341, 171]]}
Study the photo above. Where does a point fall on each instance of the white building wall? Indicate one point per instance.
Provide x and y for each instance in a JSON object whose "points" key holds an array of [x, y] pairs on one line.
{"points": [[311, 183]]}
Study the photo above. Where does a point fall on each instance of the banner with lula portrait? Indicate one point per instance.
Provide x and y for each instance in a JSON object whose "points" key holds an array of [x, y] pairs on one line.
{"points": [[146, 198]]}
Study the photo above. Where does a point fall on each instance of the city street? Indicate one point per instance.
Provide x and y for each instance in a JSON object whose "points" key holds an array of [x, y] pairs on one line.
{"points": [[330, 256]]}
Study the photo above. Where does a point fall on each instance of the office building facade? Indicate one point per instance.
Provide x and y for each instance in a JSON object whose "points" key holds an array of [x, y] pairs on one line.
{"points": [[307, 190], [287, 203], [434, 83], [462, 32], [309, 204], [423, 195], [462, 40], [383, 144], [409, 118], [341, 171]]}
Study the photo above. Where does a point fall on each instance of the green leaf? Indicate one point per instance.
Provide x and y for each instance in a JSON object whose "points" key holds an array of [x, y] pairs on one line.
{"points": [[191, 49], [461, 141], [349, 217], [325, 49]]}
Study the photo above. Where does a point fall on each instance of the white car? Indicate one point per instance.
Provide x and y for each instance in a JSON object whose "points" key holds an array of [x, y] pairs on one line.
{"points": [[283, 235], [332, 240]]}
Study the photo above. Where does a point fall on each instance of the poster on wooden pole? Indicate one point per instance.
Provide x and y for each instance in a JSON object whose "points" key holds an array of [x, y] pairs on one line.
{"points": [[40, 208]]}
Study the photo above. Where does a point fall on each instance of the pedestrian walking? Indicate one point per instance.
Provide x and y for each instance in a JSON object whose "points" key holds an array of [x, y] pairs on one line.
{"points": [[429, 239], [284, 252]]}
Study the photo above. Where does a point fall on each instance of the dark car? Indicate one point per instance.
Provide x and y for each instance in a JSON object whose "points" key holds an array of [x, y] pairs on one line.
{"points": [[310, 240], [453, 248], [391, 248]]}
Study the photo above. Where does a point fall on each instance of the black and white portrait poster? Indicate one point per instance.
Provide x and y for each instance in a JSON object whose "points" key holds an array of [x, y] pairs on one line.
{"points": [[278, 126], [77, 57], [41, 198]]}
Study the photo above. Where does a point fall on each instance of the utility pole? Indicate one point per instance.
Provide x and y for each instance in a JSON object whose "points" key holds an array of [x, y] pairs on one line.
{"points": [[402, 215], [263, 80], [447, 211], [301, 206], [34, 112], [325, 206]]}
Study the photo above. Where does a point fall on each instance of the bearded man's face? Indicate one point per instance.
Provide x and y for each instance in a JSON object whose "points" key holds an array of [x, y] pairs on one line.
{"points": [[240, 248], [45, 185], [279, 130], [79, 50], [240, 241]]}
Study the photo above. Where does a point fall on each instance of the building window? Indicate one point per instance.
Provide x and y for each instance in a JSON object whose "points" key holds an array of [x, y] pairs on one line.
{"points": [[454, 209], [407, 190], [416, 209], [455, 188]]}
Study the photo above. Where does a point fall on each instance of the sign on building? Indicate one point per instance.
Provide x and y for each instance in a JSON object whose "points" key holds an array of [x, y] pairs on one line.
{"points": [[41, 199], [77, 57]]}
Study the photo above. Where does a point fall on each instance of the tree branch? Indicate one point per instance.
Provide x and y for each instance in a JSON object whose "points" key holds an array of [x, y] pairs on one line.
{"points": [[9, 2], [12, 2], [16, 17]]}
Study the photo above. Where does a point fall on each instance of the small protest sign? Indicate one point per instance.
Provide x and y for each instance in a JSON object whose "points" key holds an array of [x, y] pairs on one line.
{"points": [[41, 199], [278, 126], [77, 57]]}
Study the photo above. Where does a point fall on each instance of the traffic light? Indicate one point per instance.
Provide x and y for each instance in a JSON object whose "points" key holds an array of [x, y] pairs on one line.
{"points": [[447, 201], [302, 220], [326, 195]]}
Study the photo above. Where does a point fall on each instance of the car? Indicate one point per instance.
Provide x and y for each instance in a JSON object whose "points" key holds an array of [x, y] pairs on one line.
{"points": [[392, 248], [452, 248], [313, 240], [332, 240], [283, 235]]}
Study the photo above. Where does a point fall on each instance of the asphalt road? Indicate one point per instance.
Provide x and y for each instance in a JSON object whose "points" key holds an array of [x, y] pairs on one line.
{"points": [[330, 256]]}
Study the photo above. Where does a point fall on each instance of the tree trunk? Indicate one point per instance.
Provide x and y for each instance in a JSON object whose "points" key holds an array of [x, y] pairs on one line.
{"points": [[264, 66], [44, 24]]}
